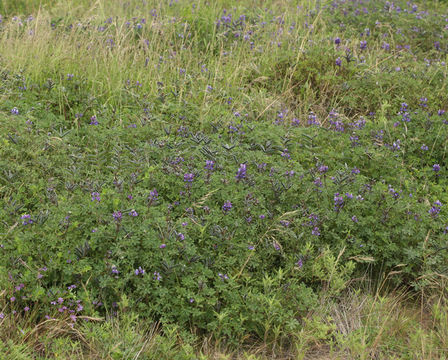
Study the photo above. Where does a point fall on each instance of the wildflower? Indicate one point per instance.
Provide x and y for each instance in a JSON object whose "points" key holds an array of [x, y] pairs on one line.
{"points": [[26, 308], [337, 40], [223, 276], [27, 219], [315, 231], [157, 276], [153, 196], [424, 147], [139, 271], [70, 76], [284, 223], [338, 61], [286, 154], [189, 178], [14, 111], [162, 246], [95, 196], [354, 219], [338, 202], [363, 44], [133, 213], [117, 216], [436, 167], [435, 209], [209, 165], [227, 206], [241, 173], [93, 120], [114, 270], [322, 169]]}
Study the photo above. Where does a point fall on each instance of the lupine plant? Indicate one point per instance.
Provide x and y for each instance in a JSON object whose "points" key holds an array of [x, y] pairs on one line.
{"points": [[219, 166]]}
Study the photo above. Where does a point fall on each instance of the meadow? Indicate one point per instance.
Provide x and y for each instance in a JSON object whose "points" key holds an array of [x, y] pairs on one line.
{"points": [[233, 179]]}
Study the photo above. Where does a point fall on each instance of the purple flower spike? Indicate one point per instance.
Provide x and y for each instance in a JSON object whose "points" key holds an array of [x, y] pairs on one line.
{"points": [[227, 206], [117, 216], [241, 173]]}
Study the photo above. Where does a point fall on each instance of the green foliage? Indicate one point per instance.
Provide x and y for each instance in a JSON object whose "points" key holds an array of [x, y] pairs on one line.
{"points": [[219, 172]]}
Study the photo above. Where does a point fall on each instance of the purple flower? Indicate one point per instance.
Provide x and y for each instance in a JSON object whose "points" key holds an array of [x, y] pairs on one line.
{"points": [[157, 276], [338, 61], [337, 40], [251, 247], [60, 300], [338, 202], [354, 219], [227, 206], [241, 173], [14, 111], [223, 276], [93, 120], [153, 195], [424, 147], [363, 44], [210, 165], [139, 271], [189, 178], [26, 308], [355, 170], [117, 216], [435, 209], [12, 299], [315, 231], [114, 270], [436, 167], [27, 219], [133, 213], [95, 196], [299, 263], [284, 223], [286, 154], [322, 169], [181, 236], [162, 246]]}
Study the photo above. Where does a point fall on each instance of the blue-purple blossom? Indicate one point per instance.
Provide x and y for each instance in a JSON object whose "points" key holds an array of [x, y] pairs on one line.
{"points": [[223, 276], [209, 165], [227, 206], [139, 271], [157, 276], [14, 111], [338, 202], [117, 216], [93, 120], [189, 177], [363, 44], [435, 209], [241, 173], [315, 231], [338, 61], [26, 219], [95, 196], [436, 167], [133, 213]]}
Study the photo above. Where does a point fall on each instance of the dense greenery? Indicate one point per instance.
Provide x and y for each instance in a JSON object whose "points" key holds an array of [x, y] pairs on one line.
{"points": [[223, 167]]}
